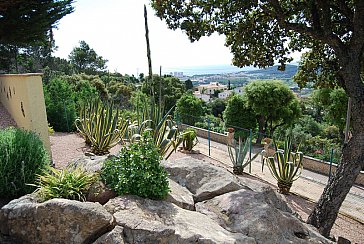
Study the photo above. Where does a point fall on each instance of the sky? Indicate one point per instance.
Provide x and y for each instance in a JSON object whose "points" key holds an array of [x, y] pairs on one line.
{"points": [[115, 30]]}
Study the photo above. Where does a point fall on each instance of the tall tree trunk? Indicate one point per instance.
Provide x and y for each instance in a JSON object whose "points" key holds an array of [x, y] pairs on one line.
{"points": [[352, 161]]}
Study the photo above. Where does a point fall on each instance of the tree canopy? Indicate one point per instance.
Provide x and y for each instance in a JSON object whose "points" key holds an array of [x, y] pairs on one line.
{"points": [[26, 22], [262, 32], [273, 104], [85, 60], [189, 109]]}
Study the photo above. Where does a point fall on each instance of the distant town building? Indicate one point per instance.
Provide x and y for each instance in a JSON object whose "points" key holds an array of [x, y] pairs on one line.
{"points": [[211, 88], [177, 74], [225, 94], [203, 97]]}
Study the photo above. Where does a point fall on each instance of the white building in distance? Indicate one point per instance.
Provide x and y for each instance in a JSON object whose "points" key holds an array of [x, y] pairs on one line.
{"points": [[225, 94]]}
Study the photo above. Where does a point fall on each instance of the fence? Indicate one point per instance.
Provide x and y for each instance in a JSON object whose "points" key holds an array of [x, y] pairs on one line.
{"points": [[322, 166]]}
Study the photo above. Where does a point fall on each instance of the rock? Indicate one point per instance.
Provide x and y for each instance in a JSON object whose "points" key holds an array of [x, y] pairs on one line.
{"points": [[91, 164], [115, 236], [54, 221], [149, 221], [204, 180], [100, 193], [261, 215], [180, 196]]}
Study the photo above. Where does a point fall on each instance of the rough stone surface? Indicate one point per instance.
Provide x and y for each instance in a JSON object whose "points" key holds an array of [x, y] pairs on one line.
{"points": [[100, 193], [180, 196], [54, 221], [115, 236], [91, 164], [204, 180], [261, 215], [148, 221]]}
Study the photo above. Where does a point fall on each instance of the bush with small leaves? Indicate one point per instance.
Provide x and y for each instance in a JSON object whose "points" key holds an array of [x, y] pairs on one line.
{"points": [[137, 171]]}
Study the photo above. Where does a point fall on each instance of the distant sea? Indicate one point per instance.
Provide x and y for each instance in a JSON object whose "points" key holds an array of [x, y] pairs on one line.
{"points": [[208, 69]]}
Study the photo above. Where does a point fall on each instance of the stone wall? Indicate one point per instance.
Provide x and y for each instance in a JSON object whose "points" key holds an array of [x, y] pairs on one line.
{"points": [[214, 136]]}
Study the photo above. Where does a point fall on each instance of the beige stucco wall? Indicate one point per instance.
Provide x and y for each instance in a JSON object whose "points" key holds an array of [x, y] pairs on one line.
{"points": [[22, 95]]}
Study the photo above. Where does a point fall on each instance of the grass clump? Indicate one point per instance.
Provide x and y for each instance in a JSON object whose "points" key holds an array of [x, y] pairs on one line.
{"points": [[67, 183], [137, 171], [22, 157]]}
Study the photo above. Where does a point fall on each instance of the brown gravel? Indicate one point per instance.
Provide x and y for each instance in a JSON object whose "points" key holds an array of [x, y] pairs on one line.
{"points": [[67, 147], [5, 118]]}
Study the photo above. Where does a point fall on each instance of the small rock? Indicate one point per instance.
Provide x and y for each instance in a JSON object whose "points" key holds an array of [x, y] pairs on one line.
{"points": [[100, 193], [180, 196]]}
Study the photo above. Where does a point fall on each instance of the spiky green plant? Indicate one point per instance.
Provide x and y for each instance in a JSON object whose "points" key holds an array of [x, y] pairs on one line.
{"points": [[285, 165], [67, 183], [240, 152], [162, 127], [98, 123], [189, 139]]}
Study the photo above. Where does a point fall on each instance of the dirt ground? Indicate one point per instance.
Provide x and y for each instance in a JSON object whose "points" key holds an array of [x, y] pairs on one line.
{"points": [[67, 147]]}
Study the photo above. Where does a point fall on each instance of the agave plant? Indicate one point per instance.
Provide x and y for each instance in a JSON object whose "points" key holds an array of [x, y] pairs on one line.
{"points": [[99, 125], [189, 139], [163, 128], [286, 165], [239, 154]]}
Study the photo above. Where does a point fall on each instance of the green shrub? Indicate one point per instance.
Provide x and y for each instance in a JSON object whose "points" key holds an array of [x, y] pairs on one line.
{"points": [[61, 107], [137, 171], [70, 183], [22, 156]]}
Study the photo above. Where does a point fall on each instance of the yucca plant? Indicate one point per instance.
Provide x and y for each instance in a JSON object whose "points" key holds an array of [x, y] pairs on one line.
{"points": [[189, 139], [240, 152], [163, 128], [67, 183], [285, 165], [99, 125]]}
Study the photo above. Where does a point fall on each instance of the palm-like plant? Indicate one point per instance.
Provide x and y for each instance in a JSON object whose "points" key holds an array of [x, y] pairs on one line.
{"points": [[286, 165], [98, 123], [239, 154]]}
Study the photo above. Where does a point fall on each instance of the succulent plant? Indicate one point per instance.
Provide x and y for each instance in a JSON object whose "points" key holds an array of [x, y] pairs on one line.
{"points": [[189, 139], [98, 123], [240, 152], [162, 127], [285, 165]]}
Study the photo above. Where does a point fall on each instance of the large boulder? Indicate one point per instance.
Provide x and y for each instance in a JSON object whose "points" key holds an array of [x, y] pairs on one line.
{"points": [[149, 221], [54, 221], [261, 215], [91, 164], [180, 196], [204, 180]]}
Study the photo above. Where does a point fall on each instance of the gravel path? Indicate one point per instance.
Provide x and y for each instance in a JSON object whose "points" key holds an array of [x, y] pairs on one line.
{"points": [[5, 118], [67, 147]]}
